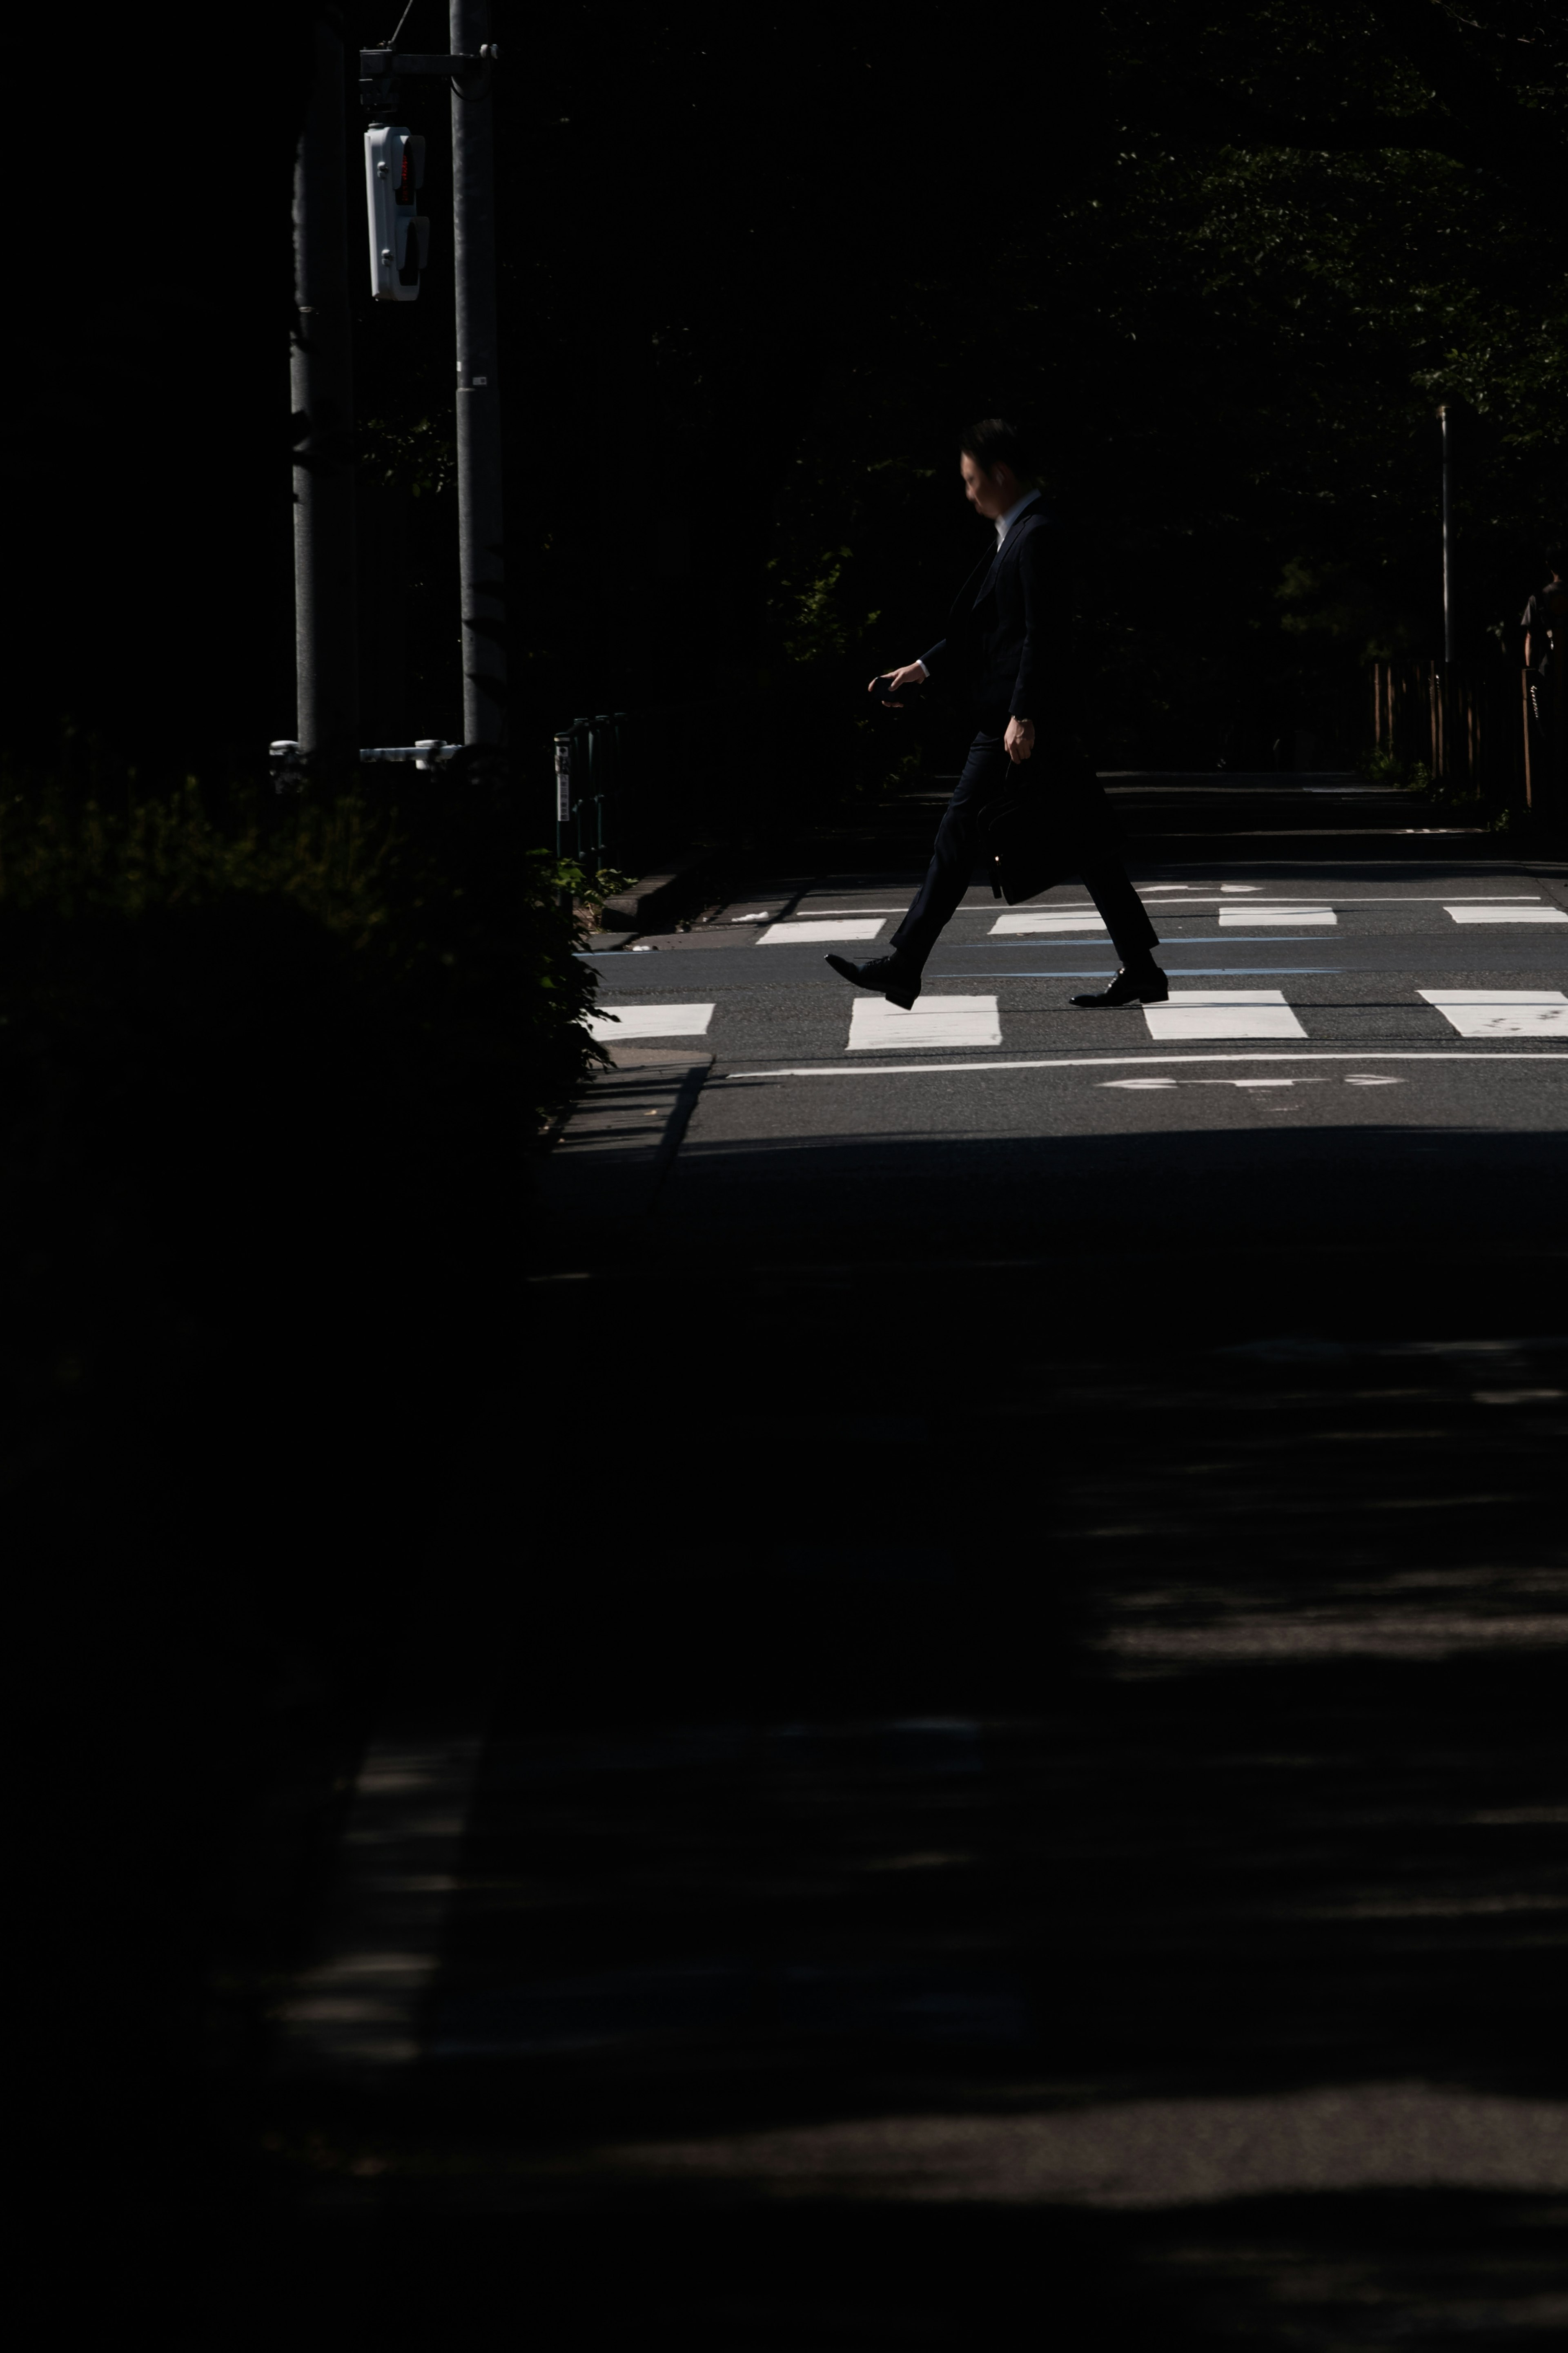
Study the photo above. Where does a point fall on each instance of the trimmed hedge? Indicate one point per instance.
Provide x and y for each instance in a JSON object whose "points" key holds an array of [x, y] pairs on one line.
{"points": [[271, 1081]]}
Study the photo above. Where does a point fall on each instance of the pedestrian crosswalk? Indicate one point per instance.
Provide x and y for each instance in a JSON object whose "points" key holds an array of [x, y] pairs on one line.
{"points": [[614, 1024], [1231, 918], [858, 927], [1501, 1012], [1224, 1013], [1081, 922], [875, 1026], [1507, 915], [976, 1021], [1048, 923], [1073, 924]]}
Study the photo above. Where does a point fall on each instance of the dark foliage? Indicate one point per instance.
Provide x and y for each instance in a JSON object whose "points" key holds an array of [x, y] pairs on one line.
{"points": [[265, 1133], [271, 1073]]}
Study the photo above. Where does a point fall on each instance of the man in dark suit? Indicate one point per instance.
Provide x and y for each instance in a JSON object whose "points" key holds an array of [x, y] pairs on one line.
{"points": [[1009, 645]]}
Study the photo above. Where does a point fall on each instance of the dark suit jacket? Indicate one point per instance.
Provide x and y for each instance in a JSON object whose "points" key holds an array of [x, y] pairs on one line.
{"points": [[1007, 635]]}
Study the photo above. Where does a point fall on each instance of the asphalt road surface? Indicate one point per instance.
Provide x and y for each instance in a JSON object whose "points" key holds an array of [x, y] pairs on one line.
{"points": [[1027, 1784], [1328, 1030]]}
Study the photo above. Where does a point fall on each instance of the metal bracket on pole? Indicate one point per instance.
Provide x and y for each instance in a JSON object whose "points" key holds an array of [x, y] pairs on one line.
{"points": [[381, 70]]}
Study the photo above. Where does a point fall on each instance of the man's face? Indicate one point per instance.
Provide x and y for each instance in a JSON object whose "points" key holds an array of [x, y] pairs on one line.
{"points": [[990, 494]]}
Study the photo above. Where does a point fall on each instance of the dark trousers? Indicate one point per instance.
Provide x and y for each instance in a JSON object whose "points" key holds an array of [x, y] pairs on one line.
{"points": [[951, 868]]}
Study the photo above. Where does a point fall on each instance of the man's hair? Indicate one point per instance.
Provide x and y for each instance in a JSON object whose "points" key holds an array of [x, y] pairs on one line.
{"points": [[994, 442], [1554, 559]]}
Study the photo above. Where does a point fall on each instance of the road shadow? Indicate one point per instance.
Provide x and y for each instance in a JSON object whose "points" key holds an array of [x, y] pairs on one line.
{"points": [[934, 1200]]}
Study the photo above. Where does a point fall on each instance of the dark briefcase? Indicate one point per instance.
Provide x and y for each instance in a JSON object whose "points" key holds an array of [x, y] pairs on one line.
{"points": [[1047, 827]]}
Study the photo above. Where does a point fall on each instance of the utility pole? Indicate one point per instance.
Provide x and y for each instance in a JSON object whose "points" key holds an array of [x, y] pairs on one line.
{"points": [[326, 631], [470, 67], [1447, 538], [478, 380]]}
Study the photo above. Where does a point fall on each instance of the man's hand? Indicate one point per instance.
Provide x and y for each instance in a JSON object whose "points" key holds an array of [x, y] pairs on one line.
{"points": [[1019, 740], [911, 674]]}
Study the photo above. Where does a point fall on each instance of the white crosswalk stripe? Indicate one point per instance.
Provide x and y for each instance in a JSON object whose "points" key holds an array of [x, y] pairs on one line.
{"points": [[877, 1027], [1224, 1013], [1485, 914], [649, 1022], [1230, 918], [1042, 925], [1501, 1012], [783, 934]]}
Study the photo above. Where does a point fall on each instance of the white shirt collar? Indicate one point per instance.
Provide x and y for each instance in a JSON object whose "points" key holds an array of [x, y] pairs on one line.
{"points": [[1004, 523]]}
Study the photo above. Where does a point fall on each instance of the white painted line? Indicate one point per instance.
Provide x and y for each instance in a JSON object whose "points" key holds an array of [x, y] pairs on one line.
{"points": [[1204, 2152], [361, 2009], [1107, 1062], [649, 1022], [877, 1027], [1051, 920], [1353, 1079], [1224, 1013], [1229, 1083], [1499, 1012], [1195, 898], [1230, 917], [781, 934], [1476, 913], [1176, 972]]}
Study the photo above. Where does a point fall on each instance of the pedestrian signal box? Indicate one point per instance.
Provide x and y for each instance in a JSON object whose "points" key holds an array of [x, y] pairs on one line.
{"points": [[399, 237]]}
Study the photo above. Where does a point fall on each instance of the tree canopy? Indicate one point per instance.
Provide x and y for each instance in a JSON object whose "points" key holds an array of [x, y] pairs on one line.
{"points": [[757, 271]]}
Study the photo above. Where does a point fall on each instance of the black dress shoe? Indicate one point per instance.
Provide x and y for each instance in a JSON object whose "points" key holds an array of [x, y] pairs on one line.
{"points": [[1141, 984], [898, 984]]}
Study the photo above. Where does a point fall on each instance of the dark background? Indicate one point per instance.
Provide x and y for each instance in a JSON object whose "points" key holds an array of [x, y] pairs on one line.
{"points": [[756, 276], [756, 272]]}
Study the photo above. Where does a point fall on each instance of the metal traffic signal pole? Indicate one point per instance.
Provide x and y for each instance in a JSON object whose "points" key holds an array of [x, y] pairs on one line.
{"points": [[470, 67], [1448, 537], [478, 381], [326, 633]]}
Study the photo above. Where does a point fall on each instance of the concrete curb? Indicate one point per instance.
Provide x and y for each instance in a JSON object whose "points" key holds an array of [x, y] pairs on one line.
{"points": [[634, 910]]}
